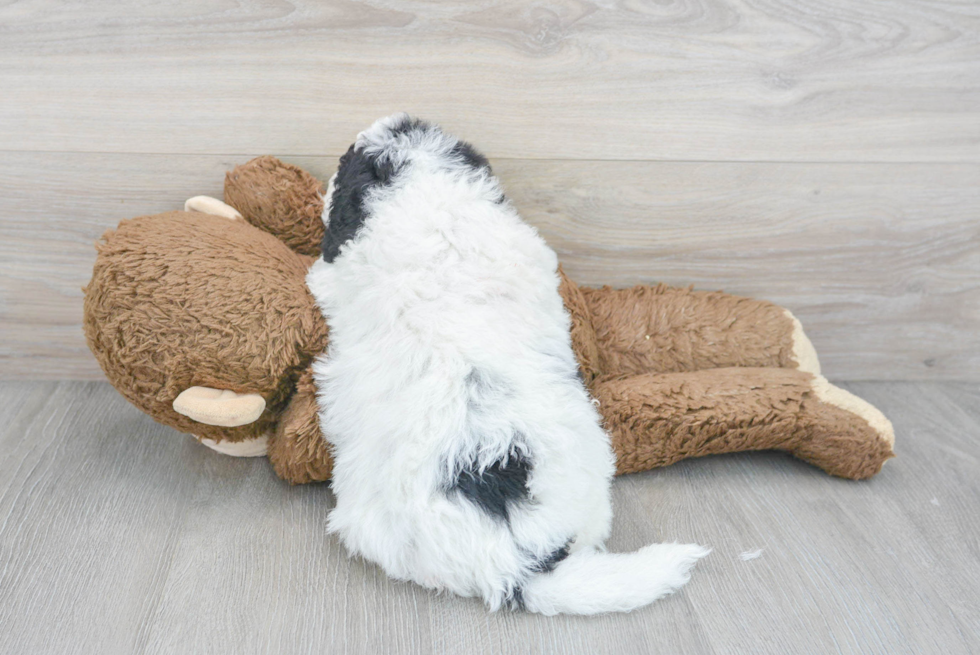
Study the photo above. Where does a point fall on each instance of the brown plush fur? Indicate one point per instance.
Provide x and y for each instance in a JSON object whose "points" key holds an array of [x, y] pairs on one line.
{"points": [[685, 373], [178, 300], [584, 341], [185, 299], [658, 419], [663, 329], [281, 199], [298, 452]]}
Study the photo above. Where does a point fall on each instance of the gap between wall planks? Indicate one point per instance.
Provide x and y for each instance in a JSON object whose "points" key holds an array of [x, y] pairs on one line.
{"points": [[825, 156], [879, 261]]}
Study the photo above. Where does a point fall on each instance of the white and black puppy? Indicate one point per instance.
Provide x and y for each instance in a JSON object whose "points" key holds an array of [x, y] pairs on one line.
{"points": [[468, 454]]}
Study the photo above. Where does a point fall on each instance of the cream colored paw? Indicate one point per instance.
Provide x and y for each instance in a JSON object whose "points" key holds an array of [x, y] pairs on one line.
{"points": [[847, 401], [803, 351], [209, 205], [257, 447]]}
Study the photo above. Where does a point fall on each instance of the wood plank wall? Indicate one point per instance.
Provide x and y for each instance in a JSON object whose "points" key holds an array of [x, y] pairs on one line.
{"points": [[824, 155]]}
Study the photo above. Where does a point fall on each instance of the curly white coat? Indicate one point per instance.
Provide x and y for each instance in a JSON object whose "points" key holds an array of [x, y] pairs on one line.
{"points": [[450, 352]]}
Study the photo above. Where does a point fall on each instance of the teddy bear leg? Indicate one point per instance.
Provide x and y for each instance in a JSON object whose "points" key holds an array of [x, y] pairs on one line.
{"points": [[662, 329], [297, 451], [658, 419], [827, 419]]}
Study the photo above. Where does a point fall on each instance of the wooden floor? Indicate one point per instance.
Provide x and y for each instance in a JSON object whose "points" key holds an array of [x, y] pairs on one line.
{"points": [[118, 535]]}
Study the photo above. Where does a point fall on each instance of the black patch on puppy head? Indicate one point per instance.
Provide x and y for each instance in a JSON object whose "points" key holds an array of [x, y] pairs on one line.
{"points": [[408, 124], [496, 488], [469, 156], [462, 152], [357, 175], [472, 158]]}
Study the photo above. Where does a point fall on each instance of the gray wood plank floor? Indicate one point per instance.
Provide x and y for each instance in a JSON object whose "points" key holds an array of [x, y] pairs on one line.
{"points": [[118, 535]]}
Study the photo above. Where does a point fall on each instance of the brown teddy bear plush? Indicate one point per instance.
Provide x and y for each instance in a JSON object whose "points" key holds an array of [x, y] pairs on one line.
{"points": [[201, 318]]}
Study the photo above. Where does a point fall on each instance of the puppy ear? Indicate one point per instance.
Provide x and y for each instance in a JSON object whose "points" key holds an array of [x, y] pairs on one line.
{"points": [[219, 406], [209, 205]]}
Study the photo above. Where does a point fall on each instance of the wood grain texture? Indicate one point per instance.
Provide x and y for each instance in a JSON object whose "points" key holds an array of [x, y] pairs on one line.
{"points": [[880, 262], [118, 535], [747, 80], [825, 156]]}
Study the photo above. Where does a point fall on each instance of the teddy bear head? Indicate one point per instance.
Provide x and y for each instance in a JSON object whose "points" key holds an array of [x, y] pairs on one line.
{"points": [[203, 322]]}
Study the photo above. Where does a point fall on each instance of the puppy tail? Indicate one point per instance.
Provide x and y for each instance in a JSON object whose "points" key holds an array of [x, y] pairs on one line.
{"points": [[593, 582]]}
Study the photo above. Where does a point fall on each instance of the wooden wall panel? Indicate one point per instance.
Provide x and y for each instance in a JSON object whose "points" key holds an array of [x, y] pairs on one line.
{"points": [[879, 261], [713, 80]]}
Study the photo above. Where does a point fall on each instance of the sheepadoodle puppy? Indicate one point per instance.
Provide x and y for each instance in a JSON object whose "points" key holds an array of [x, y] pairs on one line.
{"points": [[468, 454]]}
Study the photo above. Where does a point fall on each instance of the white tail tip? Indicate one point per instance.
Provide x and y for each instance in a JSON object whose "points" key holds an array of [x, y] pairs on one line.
{"points": [[594, 582]]}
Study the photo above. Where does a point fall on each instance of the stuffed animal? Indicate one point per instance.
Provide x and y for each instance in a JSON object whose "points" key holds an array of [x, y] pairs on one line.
{"points": [[201, 318]]}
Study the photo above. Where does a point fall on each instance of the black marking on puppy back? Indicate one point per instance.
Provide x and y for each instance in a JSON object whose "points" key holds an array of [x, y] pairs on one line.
{"points": [[495, 489], [357, 175]]}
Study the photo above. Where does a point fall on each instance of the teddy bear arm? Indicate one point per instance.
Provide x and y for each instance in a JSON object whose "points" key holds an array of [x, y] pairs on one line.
{"points": [[282, 199], [662, 329], [297, 450], [658, 419]]}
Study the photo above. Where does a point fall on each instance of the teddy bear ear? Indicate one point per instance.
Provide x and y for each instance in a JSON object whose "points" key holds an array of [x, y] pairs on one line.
{"points": [[209, 205], [219, 407]]}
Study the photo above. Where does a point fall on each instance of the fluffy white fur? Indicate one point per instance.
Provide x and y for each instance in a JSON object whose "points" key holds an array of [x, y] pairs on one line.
{"points": [[450, 348]]}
